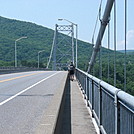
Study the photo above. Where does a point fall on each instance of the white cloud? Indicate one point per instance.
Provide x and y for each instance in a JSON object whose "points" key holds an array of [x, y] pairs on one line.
{"points": [[129, 41], [130, 34]]}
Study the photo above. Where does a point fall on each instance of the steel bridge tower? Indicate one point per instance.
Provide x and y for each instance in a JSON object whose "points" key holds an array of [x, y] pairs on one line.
{"points": [[63, 47]]}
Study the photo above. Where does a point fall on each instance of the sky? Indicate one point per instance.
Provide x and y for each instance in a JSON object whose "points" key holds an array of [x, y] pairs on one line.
{"points": [[81, 12]]}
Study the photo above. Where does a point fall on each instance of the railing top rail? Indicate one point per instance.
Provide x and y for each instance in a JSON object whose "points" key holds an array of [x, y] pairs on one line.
{"points": [[123, 96]]}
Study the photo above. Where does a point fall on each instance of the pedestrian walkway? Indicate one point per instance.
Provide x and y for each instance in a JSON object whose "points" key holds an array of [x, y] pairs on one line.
{"points": [[81, 121], [77, 119]]}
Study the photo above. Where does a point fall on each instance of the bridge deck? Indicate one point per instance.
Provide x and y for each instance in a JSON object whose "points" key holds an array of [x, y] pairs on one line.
{"points": [[79, 119]]}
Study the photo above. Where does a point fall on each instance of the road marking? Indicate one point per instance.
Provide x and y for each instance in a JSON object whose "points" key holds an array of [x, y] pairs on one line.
{"points": [[12, 97], [45, 124], [18, 77], [51, 115]]}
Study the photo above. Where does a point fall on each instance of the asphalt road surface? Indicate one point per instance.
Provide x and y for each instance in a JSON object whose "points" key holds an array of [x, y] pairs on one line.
{"points": [[24, 97]]}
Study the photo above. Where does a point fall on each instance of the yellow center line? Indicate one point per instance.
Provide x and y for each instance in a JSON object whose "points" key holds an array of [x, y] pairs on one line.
{"points": [[18, 77]]}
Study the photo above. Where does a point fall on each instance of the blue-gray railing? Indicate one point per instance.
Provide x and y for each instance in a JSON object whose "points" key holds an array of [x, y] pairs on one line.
{"points": [[112, 108]]}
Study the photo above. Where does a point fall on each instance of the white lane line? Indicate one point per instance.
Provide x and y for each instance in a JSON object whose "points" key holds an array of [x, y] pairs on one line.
{"points": [[5, 101], [45, 124]]}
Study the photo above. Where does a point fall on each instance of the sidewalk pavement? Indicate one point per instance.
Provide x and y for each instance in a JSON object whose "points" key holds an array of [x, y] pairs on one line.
{"points": [[76, 119], [81, 121]]}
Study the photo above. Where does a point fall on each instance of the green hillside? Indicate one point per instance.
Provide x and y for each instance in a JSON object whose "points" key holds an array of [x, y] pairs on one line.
{"points": [[119, 71], [41, 38]]}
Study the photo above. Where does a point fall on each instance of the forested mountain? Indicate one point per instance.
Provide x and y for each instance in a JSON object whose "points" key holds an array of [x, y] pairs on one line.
{"points": [[41, 38], [38, 38], [119, 70]]}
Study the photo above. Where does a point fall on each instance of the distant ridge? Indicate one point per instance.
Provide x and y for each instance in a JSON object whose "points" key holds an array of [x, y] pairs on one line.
{"points": [[128, 51]]}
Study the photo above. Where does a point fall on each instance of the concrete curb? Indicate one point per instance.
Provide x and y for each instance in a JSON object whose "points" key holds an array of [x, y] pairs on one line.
{"points": [[51, 121]]}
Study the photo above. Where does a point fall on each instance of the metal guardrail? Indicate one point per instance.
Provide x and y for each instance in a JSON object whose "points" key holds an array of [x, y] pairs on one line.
{"points": [[5, 70], [112, 108], [17, 68]]}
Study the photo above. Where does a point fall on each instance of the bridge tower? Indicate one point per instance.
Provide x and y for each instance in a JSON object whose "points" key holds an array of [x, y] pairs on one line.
{"points": [[63, 47]]}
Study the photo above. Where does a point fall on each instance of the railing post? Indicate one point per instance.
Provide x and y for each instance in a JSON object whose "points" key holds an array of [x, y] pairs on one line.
{"points": [[92, 97], [100, 106], [117, 113], [87, 87], [119, 117], [83, 84], [80, 81]]}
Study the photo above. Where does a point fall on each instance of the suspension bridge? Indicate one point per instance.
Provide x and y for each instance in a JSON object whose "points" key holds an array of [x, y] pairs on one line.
{"points": [[47, 102]]}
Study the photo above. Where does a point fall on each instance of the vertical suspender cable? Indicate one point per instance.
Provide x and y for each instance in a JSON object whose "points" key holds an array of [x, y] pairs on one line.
{"points": [[100, 50], [94, 29], [93, 38], [125, 45], [98, 17], [100, 74], [115, 43], [108, 50], [92, 49], [51, 49]]}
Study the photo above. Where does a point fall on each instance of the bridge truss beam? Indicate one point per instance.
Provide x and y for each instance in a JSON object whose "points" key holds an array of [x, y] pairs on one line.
{"points": [[63, 46]]}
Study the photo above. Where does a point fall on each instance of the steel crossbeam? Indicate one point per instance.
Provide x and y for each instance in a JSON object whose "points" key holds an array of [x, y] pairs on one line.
{"points": [[63, 46]]}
